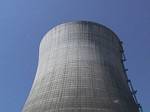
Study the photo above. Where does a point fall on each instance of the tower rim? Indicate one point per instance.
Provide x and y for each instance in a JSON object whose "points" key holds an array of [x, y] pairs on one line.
{"points": [[82, 22]]}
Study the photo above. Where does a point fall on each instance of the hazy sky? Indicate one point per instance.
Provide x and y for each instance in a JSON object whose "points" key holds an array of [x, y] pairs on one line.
{"points": [[23, 23]]}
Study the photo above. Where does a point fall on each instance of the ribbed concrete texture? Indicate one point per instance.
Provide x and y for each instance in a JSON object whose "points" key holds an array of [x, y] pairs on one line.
{"points": [[80, 70]]}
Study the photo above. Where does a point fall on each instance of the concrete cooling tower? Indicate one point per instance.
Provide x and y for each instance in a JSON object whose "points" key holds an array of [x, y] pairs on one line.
{"points": [[81, 69]]}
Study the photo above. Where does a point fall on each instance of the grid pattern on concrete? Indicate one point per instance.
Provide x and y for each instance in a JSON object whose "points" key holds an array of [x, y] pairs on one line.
{"points": [[80, 70]]}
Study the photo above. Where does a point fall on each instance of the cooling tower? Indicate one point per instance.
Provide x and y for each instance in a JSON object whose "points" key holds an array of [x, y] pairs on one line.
{"points": [[80, 69]]}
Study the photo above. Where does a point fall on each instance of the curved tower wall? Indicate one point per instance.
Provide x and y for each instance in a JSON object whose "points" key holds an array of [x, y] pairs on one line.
{"points": [[80, 70]]}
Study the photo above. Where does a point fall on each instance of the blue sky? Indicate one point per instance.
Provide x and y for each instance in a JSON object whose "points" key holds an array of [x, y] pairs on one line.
{"points": [[23, 23]]}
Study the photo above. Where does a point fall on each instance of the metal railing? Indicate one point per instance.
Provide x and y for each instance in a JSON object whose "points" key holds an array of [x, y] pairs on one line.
{"points": [[133, 91]]}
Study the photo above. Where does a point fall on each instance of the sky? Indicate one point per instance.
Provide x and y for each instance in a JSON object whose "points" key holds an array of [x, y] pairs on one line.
{"points": [[23, 23]]}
